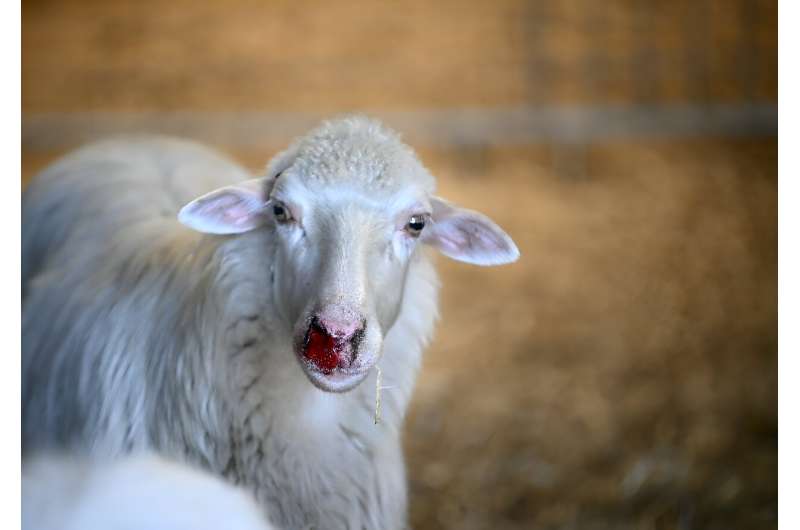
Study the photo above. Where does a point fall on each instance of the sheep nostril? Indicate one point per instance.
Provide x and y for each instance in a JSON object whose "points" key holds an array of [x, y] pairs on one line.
{"points": [[321, 349]]}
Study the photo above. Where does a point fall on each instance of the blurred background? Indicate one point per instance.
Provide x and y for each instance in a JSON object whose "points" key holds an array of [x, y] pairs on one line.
{"points": [[622, 374]]}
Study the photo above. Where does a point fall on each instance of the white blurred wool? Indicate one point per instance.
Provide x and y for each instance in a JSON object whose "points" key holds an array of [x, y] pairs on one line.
{"points": [[134, 493]]}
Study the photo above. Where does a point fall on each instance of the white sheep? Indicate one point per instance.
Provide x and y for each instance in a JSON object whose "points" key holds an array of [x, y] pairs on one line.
{"points": [[136, 492], [250, 345]]}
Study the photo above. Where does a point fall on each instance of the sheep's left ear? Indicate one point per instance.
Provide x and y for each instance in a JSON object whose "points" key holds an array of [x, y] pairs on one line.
{"points": [[468, 236], [229, 210]]}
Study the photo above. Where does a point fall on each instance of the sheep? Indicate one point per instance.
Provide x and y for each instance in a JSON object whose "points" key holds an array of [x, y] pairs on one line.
{"points": [[136, 492], [242, 329]]}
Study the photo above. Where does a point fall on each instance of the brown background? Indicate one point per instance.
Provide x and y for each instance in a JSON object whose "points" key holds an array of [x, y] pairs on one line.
{"points": [[623, 374]]}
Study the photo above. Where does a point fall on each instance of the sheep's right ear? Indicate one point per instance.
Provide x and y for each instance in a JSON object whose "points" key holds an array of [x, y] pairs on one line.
{"points": [[229, 210]]}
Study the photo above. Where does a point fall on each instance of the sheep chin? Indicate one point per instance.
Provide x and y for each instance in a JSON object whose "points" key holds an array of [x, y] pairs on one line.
{"points": [[337, 381]]}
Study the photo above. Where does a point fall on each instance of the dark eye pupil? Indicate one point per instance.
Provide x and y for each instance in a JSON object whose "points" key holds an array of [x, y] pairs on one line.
{"points": [[416, 223], [278, 210]]}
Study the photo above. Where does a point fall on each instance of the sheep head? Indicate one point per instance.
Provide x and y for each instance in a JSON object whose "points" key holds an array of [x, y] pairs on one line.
{"points": [[349, 206]]}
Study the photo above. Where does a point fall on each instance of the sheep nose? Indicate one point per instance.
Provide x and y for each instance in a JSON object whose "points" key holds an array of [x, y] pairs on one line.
{"points": [[332, 343]]}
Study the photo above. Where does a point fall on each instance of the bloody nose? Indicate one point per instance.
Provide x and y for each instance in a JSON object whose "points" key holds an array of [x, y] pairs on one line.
{"points": [[331, 344]]}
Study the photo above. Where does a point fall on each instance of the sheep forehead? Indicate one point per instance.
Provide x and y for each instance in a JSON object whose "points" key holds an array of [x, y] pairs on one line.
{"points": [[358, 151], [351, 199]]}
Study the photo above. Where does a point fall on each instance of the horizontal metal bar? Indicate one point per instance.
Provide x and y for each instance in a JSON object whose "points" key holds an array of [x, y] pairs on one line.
{"points": [[440, 127]]}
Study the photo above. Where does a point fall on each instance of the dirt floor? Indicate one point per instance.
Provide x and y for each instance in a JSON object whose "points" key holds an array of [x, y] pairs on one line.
{"points": [[623, 374]]}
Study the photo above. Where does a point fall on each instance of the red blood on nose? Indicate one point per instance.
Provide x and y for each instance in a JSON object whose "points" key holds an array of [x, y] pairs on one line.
{"points": [[321, 349]]}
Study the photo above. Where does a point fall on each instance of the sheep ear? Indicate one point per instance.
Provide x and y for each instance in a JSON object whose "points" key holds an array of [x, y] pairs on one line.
{"points": [[468, 236], [229, 210]]}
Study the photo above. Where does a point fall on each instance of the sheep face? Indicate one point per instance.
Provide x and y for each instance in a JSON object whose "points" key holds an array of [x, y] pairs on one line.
{"points": [[340, 270], [349, 207]]}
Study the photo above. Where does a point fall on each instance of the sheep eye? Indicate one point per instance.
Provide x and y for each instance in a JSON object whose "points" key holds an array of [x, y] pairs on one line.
{"points": [[415, 225], [281, 213]]}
